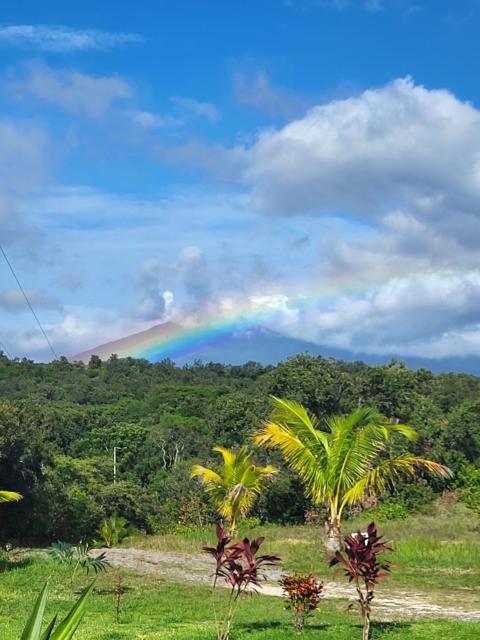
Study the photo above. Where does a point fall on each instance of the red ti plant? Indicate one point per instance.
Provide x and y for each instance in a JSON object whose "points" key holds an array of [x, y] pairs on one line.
{"points": [[302, 593], [359, 559], [239, 566]]}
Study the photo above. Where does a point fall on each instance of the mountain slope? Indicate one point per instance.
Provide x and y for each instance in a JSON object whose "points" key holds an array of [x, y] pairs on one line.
{"points": [[259, 345]]}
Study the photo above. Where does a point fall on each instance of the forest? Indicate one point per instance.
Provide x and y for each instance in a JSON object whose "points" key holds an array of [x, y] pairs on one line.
{"points": [[60, 423]]}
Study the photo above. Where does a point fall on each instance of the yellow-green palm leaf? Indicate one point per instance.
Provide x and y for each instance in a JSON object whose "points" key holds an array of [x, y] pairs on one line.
{"points": [[236, 487], [340, 464], [387, 473], [10, 496]]}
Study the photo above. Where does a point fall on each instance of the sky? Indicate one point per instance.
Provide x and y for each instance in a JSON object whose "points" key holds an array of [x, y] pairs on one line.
{"points": [[314, 163]]}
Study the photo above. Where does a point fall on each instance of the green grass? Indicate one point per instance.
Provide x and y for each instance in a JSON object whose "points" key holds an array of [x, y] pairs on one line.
{"points": [[438, 551], [154, 609]]}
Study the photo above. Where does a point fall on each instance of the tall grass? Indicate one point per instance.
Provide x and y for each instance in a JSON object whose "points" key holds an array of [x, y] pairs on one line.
{"points": [[440, 549]]}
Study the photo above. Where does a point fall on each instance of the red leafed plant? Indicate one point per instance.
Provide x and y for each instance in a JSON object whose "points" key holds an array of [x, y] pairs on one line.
{"points": [[302, 593], [359, 559], [239, 566]]}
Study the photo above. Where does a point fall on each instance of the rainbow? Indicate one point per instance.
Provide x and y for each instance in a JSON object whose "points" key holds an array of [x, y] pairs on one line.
{"points": [[174, 340]]}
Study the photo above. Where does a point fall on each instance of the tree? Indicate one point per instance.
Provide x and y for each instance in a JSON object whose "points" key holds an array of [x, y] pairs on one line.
{"points": [[236, 488], [343, 463]]}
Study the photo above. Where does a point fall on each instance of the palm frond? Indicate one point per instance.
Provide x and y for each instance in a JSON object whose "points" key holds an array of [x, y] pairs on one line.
{"points": [[205, 475], [10, 496], [304, 424], [298, 455], [387, 473], [234, 489]]}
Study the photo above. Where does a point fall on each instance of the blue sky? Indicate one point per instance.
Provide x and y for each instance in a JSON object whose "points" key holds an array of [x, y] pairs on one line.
{"points": [[186, 160]]}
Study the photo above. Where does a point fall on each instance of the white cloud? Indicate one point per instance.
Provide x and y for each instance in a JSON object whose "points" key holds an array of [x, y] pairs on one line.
{"points": [[205, 110], [401, 146], [63, 39], [406, 316], [71, 90], [405, 161]]}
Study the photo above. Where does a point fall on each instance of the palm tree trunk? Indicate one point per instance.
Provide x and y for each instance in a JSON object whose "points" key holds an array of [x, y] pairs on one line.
{"points": [[332, 535]]}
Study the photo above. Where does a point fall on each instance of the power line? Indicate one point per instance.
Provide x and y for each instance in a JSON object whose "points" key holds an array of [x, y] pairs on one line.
{"points": [[28, 302], [5, 350]]}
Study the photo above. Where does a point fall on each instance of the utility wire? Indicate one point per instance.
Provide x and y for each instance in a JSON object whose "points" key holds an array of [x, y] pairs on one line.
{"points": [[28, 302], [5, 351]]}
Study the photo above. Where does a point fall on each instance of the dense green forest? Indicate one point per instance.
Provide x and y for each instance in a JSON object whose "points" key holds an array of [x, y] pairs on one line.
{"points": [[59, 423]]}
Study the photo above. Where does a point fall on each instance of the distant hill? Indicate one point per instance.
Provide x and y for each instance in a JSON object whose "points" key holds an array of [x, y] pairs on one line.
{"points": [[258, 345], [128, 346]]}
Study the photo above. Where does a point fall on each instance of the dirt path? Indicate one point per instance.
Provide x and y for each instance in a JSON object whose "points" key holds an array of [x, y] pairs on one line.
{"points": [[197, 568]]}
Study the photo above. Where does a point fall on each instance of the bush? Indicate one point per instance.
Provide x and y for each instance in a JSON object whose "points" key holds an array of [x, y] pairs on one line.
{"points": [[391, 510], [468, 481], [302, 594]]}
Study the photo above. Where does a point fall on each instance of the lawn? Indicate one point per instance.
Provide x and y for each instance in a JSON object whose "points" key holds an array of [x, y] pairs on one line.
{"points": [[154, 609], [437, 554], [439, 551]]}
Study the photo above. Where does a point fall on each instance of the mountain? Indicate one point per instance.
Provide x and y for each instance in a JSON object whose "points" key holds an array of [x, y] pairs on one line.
{"points": [[259, 345], [129, 346]]}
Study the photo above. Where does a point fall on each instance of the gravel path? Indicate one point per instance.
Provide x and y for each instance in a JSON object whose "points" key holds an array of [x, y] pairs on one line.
{"points": [[197, 568]]}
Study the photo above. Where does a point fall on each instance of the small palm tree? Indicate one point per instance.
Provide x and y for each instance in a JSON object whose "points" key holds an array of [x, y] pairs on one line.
{"points": [[235, 489], [341, 464], [10, 496]]}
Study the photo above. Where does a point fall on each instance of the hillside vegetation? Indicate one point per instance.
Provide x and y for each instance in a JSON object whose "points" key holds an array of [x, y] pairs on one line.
{"points": [[60, 422]]}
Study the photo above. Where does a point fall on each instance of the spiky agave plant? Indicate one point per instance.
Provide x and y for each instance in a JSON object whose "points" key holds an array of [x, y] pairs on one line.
{"points": [[343, 460], [236, 487], [66, 629]]}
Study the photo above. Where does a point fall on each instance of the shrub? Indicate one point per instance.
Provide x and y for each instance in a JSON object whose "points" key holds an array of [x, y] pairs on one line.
{"points": [[360, 562], [468, 480], [302, 593], [251, 522], [78, 556], [391, 510], [113, 531], [240, 567]]}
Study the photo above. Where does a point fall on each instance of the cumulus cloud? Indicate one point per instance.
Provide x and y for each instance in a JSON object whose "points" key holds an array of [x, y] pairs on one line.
{"points": [[403, 162], [188, 273], [68, 335], [76, 92], [63, 39], [154, 302], [401, 146], [406, 316]]}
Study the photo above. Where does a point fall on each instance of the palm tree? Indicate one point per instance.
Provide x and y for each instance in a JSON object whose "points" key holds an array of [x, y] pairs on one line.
{"points": [[10, 496], [235, 489], [343, 463]]}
